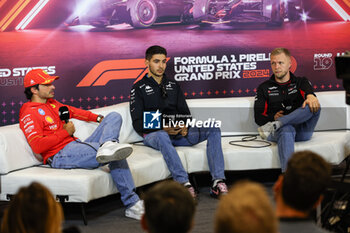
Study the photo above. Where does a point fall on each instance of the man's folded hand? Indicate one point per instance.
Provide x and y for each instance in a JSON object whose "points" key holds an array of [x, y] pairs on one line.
{"points": [[172, 130]]}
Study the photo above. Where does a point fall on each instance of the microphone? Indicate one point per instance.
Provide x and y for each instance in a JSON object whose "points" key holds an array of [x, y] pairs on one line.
{"points": [[64, 113]]}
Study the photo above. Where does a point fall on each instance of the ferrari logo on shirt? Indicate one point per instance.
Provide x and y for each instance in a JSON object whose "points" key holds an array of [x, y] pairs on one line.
{"points": [[53, 106], [49, 119]]}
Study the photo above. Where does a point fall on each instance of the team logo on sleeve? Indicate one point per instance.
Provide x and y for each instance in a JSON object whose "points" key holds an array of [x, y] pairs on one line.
{"points": [[151, 120]]}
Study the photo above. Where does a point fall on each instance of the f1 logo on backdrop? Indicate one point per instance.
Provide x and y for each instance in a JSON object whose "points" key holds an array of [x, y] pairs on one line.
{"points": [[151, 120], [109, 70]]}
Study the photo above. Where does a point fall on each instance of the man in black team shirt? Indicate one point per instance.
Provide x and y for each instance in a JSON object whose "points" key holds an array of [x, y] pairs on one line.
{"points": [[156, 93], [285, 107]]}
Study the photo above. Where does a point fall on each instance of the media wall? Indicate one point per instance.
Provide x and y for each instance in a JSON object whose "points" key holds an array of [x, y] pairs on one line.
{"points": [[98, 48]]}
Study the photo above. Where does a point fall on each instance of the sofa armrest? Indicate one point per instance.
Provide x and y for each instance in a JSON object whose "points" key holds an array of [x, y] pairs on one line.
{"points": [[15, 152]]}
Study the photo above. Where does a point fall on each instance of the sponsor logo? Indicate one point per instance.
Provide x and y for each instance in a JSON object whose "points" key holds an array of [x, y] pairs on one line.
{"points": [[41, 111], [53, 106], [26, 118], [53, 127], [273, 92], [49, 119], [151, 120], [323, 61], [29, 129], [292, 91], [169, 87], [28, 123], [132, 95], [148, 88], [31, 134]]}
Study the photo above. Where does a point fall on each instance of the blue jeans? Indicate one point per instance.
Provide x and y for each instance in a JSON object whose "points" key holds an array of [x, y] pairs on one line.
{"points": [[297, 126], [160, 140], [77, 155]]}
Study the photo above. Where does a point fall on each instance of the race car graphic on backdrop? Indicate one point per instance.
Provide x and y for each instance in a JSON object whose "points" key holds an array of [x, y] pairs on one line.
{"points": [[145, 13]]}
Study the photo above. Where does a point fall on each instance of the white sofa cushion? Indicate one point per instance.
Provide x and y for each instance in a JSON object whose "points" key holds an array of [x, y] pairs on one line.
{"points": [[333, 146], [127, 132], [237, 115], [15, 152], [82, 185]]}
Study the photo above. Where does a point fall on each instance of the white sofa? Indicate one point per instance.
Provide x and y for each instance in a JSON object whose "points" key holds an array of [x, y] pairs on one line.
{"points": [[18, 166]]}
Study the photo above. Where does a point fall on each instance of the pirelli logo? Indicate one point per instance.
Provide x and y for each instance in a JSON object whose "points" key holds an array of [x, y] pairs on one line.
{"points": [[109, 70]]}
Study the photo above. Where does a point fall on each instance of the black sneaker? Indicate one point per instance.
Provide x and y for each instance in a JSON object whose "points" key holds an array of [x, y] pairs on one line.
{"points": [[219, 189]]}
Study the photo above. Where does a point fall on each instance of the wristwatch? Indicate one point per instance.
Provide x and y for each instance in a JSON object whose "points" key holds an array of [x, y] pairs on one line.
{"points": [[99, 118]]}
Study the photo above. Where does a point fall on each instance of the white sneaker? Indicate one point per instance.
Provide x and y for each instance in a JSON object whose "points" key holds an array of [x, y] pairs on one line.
{"points": [[112, 151], [268, 128], [136, 211]]}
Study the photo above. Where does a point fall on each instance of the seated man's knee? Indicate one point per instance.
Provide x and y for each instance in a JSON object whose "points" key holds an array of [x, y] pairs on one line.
{"points": [[114, 116], [160, 137], [163, 136], [307, 107], [318, 112], [214, 130], [305, 136], [286, 129]]}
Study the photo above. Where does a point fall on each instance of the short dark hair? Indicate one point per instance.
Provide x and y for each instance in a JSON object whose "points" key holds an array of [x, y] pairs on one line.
{"points": [[169, 207], [28, 92], [306, 178], [155, 49]]}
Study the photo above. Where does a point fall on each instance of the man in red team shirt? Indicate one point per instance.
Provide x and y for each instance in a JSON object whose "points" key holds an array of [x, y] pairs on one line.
{"points": [[52, 138]]}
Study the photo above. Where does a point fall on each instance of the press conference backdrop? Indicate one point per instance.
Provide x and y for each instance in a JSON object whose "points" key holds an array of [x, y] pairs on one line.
{"points": [[97, 47]]}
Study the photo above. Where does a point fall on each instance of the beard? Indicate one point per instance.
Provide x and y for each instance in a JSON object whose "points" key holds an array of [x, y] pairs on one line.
{"points": [[155, 73], [280, 76]]}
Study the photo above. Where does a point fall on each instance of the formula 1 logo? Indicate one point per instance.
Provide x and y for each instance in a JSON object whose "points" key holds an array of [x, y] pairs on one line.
{"points": [[151, 120], [109, 70]]}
